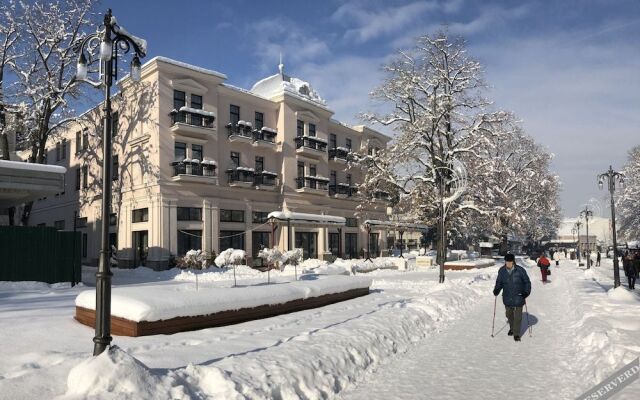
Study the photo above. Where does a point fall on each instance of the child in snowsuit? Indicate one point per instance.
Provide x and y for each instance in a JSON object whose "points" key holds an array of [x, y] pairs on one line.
{"points": [[514, 282], [544, 264]]}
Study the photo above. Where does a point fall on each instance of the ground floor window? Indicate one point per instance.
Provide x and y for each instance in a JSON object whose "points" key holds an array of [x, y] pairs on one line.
{"points": [[374, 249], [189, 240], [140, 247], [231, 240], [351, 245], [259, 241], [308, 242], [334, 244]]}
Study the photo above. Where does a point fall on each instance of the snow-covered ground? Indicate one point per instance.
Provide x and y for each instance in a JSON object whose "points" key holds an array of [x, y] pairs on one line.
{"points": [[410, 338]]}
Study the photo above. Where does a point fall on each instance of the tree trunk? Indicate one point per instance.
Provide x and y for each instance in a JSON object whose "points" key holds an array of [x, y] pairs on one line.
{"points": [[504, 245]]}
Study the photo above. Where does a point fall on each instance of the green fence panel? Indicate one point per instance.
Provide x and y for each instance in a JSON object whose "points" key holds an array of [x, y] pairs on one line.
{"points": [[39, 254]]}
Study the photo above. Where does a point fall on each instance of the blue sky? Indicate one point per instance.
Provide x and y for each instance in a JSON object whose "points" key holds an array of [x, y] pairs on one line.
{"points": [[570, 70]]}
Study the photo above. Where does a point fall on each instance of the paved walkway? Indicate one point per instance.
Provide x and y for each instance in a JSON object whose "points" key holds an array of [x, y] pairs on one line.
{"points": [[464, 361]]}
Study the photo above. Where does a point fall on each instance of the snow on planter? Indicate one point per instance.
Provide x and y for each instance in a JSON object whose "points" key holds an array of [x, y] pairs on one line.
{"points": [[173, 299]]}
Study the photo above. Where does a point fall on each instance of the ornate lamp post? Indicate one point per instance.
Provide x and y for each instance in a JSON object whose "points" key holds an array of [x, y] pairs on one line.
{"points": [[586, 213], [612, 176], [110, 39], [577, 226]]}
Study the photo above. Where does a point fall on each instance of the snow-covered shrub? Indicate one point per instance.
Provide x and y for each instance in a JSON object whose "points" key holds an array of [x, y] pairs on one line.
{"points": [[194, 259], [293, 257], [372, 265], [231, 257], [272, 260]]}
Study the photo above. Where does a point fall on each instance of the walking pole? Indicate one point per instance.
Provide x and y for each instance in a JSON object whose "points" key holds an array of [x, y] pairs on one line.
{"points": [[529, 324], [494, 315]]}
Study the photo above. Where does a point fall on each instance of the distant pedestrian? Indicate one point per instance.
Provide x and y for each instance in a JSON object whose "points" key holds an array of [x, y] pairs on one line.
{"points": [[630, 269], [565, 253], [551, 253], [515, 285], [598, 256], [544, 264]]}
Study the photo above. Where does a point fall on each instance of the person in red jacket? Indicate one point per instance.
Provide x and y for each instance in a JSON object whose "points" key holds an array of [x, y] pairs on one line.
{"points": [[544, 264]]}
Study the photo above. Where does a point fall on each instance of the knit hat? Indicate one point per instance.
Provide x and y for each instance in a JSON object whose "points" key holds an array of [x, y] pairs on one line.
{"points": [[509, 257]]}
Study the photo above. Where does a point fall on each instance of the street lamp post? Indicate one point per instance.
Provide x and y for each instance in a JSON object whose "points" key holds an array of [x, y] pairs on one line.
{"points": [[578, 224], [612, 176], [112, 38], [586, 213]]}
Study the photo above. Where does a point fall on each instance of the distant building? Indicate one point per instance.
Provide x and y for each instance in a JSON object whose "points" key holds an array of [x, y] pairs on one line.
{"points": [[199, 164], [599, 233]]}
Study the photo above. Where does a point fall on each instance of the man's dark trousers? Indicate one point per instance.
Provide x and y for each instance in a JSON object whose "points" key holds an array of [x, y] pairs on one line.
{"points": [[514, 315]]}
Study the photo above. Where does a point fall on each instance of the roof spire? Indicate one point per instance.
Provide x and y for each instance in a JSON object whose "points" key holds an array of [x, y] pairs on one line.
{"points": [[281, 65]]}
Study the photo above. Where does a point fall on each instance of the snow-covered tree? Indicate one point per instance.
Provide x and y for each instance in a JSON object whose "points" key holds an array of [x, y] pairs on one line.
{"points": [[273, 260], [628, 207], [8, 38], [292, 257], [437, 110], [233, 257], [44, 70]]}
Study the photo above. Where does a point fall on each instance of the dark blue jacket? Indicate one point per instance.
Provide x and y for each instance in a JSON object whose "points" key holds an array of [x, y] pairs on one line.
{"points": [[515, 286]]}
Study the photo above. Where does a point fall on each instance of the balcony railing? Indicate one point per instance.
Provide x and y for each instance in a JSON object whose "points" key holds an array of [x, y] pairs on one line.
{"points": [[202, 119], [265, 178], [195, 167], [342, 189], [240, 175], [265, 135], [311, 142], [312, 182], [339, 153], [238, 129], [381, 195]]}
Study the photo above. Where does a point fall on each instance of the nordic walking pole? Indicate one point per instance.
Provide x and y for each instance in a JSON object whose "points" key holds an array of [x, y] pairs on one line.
{"points": [[530, 327], [493, 323]]}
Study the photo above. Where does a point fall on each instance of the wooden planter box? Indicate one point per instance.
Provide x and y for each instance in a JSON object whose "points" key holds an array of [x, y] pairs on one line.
{"points": [[125, 327]]}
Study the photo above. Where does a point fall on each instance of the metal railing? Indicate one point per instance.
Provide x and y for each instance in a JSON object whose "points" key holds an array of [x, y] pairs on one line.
{"points": [[338, 154], [310, 143], [342, 190], [197, 169], [264, 180], [264, 136], [193, 119], [239, 130], [311, 183], [241, 176]]}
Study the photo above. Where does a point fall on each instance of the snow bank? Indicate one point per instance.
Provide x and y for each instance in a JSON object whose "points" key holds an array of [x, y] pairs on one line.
{"points": [[372, 265], [164, 301]]}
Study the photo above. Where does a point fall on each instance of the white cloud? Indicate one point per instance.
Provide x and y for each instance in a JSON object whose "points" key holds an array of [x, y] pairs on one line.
{"points": [[372, 24]]}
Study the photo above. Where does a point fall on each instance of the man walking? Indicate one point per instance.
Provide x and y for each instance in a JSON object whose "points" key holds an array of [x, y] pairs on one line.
{"points": [[598, 256], [516, 287]]}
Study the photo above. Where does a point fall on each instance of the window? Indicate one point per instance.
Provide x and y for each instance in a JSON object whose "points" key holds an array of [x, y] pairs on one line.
{"points": [[231, 240], [259, 122], [300, 169], [85, 177], [351, 222], [84, 245], [189, 214], [333, 177], [179, 151], [196, 152], [113, 219], [349, 179], [312, 170], [78, 142], [234, 114], [59, 225], [231, 216], [349, 144], [78, 178], [85, 138], [179, 99], [115, 121], [312, 130], [58, 151], [259, 217], [259, 164], [235, 159], [189, 240], [63, 156], [141, 215], [333, 142], [115, 167], [81, 222], [196, 102], [300, 129]]}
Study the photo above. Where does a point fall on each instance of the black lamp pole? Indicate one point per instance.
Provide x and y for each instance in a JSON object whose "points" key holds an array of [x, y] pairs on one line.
{"points": [[586, 213], [578, 225], [611, 176], [111, 39]]}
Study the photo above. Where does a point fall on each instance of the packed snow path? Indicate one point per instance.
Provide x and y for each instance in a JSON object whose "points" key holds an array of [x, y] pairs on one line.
{"points": [[464, 361]]}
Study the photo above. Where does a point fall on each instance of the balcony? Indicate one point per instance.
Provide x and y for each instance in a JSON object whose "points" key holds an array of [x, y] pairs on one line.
{"points": [[265, 180], [240, 132], [310, 146], [381, 196], [264, 137], [339, 154], [342, 190], [240, 177], [312, 184], [187, 170], [190, 122]]}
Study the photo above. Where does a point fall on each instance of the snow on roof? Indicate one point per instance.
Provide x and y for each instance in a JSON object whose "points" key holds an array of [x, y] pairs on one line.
{"points": [[277, 84], [151, 303], [185, 65], [32, 166], [302, 218]]}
